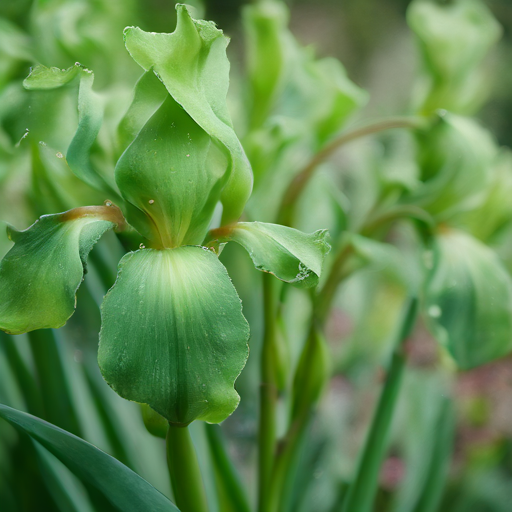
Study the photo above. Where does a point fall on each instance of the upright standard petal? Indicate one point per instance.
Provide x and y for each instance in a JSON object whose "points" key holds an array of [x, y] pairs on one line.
{"points": [[173, 334], [192, 64]]}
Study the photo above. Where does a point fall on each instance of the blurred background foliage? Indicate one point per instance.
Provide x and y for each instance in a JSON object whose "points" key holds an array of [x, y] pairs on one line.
{"points": [[458, 171]]}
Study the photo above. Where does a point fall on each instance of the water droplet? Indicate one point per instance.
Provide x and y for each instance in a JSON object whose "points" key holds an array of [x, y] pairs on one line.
{"points": [[188, 155], [108, 203], [42, 143], [434, 311], [151, 201], [142, 246], [59, 155], [77, 64]]}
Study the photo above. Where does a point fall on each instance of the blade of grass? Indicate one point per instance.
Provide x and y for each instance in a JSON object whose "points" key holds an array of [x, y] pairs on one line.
{"points": [[439, 460], [57, 401], [234, 496], [362, 491]]}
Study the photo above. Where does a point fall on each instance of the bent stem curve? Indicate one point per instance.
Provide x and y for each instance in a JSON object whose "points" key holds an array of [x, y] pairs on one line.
{"points": [[300, 181]]}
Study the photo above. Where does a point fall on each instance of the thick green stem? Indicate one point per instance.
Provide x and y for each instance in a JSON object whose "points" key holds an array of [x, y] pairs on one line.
{"points": [[364, 486], [302, 178], [186, 481], [268, 394]]}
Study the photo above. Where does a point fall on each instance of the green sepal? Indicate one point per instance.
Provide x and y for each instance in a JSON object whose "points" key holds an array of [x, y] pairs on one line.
{"points": [[192, 64], [40, 275], [468, 300], [290, 255], [173, 334]]}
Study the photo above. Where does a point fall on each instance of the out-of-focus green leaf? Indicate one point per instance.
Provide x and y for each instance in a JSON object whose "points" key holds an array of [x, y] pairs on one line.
{"points": [[289, 254], [424, 425], [468, 300], [495, 212], [14, 49], [232, 495], [453, 39], [40, 275], [90, 117], [265, 34], [63, 486], [192, 64], [308, 99], [173, 335], [440, 459], [174, 173], [455, 157], [64, 32], [121, 486]]}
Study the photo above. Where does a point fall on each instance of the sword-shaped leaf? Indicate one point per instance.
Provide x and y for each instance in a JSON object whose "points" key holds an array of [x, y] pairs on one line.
{"points": [[126, 490]]}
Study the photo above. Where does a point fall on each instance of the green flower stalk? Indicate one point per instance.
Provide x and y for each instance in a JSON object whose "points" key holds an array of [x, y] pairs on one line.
{"points": [[173, 335]]}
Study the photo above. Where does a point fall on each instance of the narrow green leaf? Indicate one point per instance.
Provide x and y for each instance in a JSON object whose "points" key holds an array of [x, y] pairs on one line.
{"points": [[173, 335], [121, 486], [468, 300], [289, 254], [232, 495], [363, 488], [40, 275], [66, 491], [440, 459], [192, 64]]}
